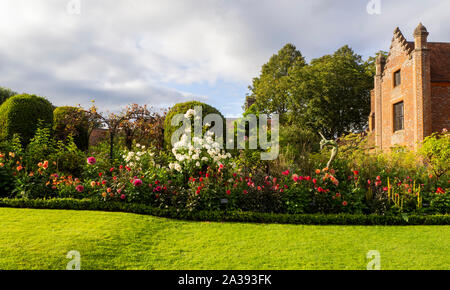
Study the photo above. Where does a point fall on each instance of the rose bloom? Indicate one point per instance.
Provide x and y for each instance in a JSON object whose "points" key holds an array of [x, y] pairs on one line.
{"points": [[137, 182], [91, 160], [80, 188], [122, 196]]}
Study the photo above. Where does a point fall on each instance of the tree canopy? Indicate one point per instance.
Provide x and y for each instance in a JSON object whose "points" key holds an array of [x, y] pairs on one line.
{"points": [[5, 94], [272, 88], [330, 95]]}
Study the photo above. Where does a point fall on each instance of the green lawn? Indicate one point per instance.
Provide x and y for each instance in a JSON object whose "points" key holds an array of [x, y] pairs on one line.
{"points": [[40, 239]]}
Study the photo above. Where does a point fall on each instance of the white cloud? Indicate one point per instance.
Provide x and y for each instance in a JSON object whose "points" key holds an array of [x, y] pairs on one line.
{"points": [[126, 51]]}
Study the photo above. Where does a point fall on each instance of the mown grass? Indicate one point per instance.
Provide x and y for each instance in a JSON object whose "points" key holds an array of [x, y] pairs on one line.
{"points": [[40, 239]]}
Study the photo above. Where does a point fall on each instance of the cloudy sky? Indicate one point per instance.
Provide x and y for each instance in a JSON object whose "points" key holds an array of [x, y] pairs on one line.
{"points": [[166, 51]]}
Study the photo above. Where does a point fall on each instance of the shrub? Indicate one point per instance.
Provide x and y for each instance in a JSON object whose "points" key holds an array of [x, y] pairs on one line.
{"points": [[182, 108], [20, 115], [5, 94], [41, 146], [71, 121], [228, 216], [10, 150], [6, 182], [435, 150], [69, 159], [441, 204], [296, 143]]}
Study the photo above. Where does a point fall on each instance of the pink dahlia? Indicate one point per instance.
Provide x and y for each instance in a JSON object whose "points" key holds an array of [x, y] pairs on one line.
{"points": [[137, 182], [91, 160]]}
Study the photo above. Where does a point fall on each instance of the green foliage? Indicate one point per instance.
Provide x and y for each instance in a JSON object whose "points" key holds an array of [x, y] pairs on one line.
{"points": [[71, 121], [20, 115], [441, 204], [11, 145], [182, 108], [65, 154], [6, 182], [435, 150], [332, 94], [272, 89], [371, 61], [41, 146], [69, 159], [5, 94], [33, 187], [296, 143]]}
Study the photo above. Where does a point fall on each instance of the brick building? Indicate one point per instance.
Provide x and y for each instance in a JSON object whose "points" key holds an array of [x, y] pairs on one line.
{"points": [[411, 97]]}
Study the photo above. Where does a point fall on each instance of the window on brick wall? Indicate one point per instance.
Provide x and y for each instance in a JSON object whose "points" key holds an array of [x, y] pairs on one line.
{"points": [[398, 116], [397, 78]]}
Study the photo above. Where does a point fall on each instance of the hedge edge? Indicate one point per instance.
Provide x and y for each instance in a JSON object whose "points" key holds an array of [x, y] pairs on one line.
{"points": [[226, 216]]}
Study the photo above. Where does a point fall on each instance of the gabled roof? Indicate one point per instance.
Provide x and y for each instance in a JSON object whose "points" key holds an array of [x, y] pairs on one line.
{"points": [[439, 61], [407, 47], [439, 55]]}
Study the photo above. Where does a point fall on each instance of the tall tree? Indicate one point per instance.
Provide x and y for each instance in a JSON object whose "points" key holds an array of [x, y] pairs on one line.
{"points": [[370, 62], [271, 90], [5, 94], [333, 95]]}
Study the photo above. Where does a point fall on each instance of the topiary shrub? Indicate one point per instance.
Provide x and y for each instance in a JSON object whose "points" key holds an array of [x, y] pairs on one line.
{"points": [[182, 108], [71, 121], [20, 115]]}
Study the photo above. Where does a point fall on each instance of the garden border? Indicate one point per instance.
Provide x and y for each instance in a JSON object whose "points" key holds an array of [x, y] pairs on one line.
{"points": [[226, 216]]}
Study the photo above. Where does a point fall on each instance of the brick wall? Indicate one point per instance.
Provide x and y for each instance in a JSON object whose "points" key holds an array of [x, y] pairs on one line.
{"points": [[426, 104], [440, 106]]}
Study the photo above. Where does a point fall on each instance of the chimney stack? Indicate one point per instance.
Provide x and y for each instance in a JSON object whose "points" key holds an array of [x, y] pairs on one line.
{"points": [[420, 37]]}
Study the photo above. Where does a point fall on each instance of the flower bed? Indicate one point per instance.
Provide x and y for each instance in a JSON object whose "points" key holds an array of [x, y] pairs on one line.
{"points": [[199, 180]]}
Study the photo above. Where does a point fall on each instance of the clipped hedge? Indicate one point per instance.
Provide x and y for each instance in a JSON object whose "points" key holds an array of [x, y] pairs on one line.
{"points": [[20, 115], [227, 216], [182, 108], [66, 116]]}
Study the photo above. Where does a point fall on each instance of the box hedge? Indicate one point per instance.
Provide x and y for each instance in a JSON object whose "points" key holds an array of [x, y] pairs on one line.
{"points": [[21, 114], [228, 216]]}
